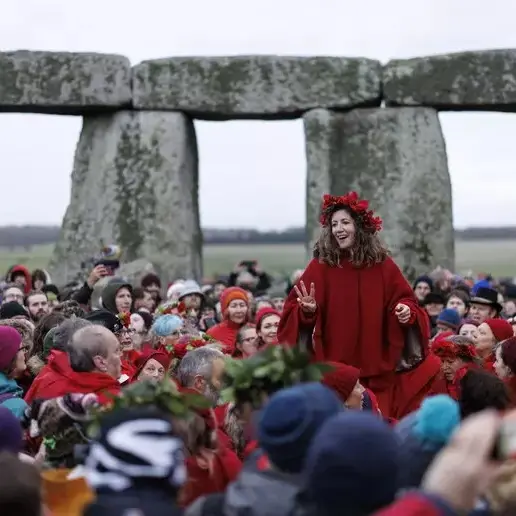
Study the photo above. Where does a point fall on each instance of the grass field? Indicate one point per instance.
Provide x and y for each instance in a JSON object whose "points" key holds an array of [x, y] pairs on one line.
{"points": [[496, 256]]}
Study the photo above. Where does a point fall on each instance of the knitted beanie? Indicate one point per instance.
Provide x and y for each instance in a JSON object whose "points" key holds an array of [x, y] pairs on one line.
{"points": [[501, 329], [12, 309], [508, 353], [423, 279], [450, 318], [166, 325], [423, 434], [159, 356], [232, 294], [11, 434], [10, 343], [342, 379], [263, 313], [352, 465], [290, 420]]}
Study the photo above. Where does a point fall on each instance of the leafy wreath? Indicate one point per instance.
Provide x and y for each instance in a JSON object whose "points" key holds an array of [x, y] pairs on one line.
{"points": [[272, 369]]}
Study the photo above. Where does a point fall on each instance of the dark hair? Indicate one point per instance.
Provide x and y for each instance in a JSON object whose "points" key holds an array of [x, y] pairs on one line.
{"points": [[20, 487], [150, 279], [480, 390], [461, 294], [138, 293], [50, 287], [367, 249], [44, 325], [38, 274]]}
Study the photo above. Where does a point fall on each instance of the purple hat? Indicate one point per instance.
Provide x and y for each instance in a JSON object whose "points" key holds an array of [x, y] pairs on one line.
{"points": [[10, 343], [11, 434]]}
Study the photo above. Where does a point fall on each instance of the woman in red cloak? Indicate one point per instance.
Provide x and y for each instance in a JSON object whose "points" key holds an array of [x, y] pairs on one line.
{"points": [[360, 310]]}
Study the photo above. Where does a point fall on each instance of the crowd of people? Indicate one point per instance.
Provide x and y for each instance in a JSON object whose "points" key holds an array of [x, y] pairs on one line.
{"points": [[344, 390]]}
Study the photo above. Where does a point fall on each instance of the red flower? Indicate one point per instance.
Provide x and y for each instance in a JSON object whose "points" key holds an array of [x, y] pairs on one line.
{"points": [[352, 202], [125, 319]]}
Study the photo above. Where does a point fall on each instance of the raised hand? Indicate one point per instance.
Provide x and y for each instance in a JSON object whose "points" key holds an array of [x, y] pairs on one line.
{"points": [[306, 299]]}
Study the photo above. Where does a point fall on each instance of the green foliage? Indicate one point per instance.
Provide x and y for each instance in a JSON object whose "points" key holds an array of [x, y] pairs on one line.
{"points": [[268, 371], [163, 395]]}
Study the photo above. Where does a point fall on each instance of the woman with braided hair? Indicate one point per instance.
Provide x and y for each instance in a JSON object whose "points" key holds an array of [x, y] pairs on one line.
{"points": [[353, 305]]}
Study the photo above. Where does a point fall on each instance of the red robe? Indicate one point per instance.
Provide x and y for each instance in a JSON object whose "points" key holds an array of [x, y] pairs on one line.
{"points": [[210, 478], [57, 379], [356, 324], [225, 333]]}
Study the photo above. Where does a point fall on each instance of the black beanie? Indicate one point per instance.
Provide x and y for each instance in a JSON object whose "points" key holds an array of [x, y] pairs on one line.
{"points": [[12, 309]]}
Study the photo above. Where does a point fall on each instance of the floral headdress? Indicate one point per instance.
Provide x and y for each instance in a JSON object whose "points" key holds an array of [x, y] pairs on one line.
{"points": [[125, 319], [350, 201], [445, 349], [185, 344], [174, 308], [270, 370]]}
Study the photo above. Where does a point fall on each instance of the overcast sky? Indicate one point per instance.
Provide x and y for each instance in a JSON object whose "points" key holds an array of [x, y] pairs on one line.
{"points": [[264, 159]]}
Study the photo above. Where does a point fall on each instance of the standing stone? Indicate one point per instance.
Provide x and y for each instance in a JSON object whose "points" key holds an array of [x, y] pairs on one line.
{"points": [[134, 183], [461, 81], [66, 83], [322, 156], [264, 87], [396, 158]]}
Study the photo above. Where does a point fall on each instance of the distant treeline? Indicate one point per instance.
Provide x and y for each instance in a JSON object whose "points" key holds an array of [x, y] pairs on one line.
{"points": [[28, 236]]}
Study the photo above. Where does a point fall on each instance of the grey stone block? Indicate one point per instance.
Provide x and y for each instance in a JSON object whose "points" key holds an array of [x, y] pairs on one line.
{"points": [[134, 183], [63, 82], [263, 87], [395, 158], [470, 81]]}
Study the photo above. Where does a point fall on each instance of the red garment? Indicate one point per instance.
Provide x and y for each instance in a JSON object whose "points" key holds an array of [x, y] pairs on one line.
{"points": [[356, 324], [26, 273], [128, 362], [488, 364], [57, 379], [414, 504], [213, 478], [225, 333]]}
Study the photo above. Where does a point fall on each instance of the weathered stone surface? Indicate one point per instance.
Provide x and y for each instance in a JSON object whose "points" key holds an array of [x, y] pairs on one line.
{"points": [[396, 158], [255, 86], [134, 271], [483, 80], [63, 82], [322, 153], [134, 183]]}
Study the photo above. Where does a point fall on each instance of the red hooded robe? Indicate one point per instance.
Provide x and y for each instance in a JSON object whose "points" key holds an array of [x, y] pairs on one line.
{"points": [[356, 324]]}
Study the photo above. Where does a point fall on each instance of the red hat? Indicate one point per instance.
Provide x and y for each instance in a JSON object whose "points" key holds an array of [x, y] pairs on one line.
{"points": [[159, 356], [501, 329], [263, 313], [231, 294], [508, 352], [342, 379]]}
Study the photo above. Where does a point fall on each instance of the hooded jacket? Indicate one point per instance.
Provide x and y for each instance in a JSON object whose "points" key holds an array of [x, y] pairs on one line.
{"points": [[11, 396]]}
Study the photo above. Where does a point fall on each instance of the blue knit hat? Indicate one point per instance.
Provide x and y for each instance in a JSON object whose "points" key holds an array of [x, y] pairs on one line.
{"points": [[11, 434], [352, 464], [449, 317], [423, 434], [290, 420]]}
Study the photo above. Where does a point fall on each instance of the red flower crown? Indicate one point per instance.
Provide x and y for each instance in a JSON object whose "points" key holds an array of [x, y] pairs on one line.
{"points": [[352, 202], [446, 349], [175, 308], [125, 319]]}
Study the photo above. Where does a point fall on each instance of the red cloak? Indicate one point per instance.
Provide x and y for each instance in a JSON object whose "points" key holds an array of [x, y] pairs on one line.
{"points": [[57, 379], [356, 324]]}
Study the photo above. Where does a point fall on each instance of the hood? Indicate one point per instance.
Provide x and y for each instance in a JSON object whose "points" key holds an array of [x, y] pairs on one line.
{"points": [[261, 493], [9, 386], [60, 364], [108, 295], [26, 273]]}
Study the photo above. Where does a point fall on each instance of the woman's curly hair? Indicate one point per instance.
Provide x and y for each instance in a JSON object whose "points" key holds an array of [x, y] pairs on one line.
{"points": [[367, 249]]}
